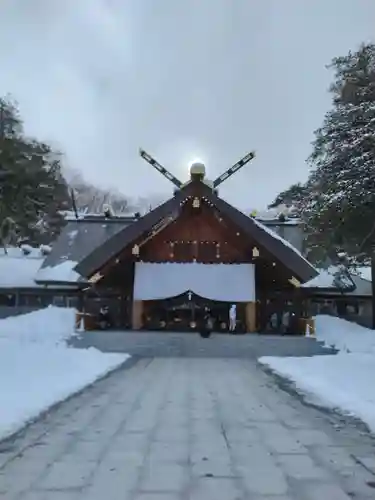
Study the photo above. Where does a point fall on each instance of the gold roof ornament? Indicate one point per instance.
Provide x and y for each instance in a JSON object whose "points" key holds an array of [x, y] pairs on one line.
{"points": [[197, 170], [294, 281], [135, 250], [196, 202], [95, 278], [255, 252]]}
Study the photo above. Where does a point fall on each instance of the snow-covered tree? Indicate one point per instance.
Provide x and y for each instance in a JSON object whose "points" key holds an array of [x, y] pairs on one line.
{"points": [[292, 197], [340, 206], [32, 188], [8, 233]]}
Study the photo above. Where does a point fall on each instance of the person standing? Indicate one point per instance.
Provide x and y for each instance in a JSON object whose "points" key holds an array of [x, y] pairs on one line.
{"points": [[232, 317], [207, 326], [105, 321]]}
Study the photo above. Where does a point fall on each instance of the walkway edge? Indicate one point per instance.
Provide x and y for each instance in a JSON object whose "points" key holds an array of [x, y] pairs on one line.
{"points": [[311, 400], [7, 440]]}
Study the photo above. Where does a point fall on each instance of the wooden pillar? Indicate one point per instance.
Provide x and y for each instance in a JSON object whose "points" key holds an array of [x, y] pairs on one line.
{"points": [[250, 314], [81, 301], [137, 312]]}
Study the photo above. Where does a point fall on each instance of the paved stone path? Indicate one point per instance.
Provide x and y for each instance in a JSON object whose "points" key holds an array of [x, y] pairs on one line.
{"points": [[184, 344], [185, 428]]}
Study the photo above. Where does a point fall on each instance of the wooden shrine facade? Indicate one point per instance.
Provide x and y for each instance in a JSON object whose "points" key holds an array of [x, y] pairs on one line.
{"points": [[227, 257], [197, 231]]}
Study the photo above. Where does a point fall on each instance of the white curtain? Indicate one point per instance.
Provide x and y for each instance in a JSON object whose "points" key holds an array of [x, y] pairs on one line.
{"points": [[221, 282]]}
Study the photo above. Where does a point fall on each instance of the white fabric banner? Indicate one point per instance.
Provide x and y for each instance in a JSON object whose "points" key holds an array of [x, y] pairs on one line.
{"points": [[221, 282]]}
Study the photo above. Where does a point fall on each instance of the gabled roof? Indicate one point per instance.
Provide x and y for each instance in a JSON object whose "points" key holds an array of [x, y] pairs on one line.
{"points": [[280, 248], [277, 246], [115, 244], [77, 240]]}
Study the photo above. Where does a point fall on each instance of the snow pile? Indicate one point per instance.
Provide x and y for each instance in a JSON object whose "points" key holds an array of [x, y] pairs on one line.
{"points": [[343, 335], [45, 328], [340, 381], [38, 369]]}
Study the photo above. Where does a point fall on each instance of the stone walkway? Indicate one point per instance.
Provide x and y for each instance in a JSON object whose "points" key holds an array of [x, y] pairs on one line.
{"points": [[199, 429], [189, 344]]}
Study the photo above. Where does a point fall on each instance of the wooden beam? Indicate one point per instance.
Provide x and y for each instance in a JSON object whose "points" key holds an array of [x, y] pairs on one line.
{"points": [[250, 316], [137, 313], [156, 231]]}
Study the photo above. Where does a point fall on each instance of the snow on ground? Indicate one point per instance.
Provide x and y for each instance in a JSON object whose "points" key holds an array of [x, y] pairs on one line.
{"points": [[38, 369], [344, 335], [342, 381]]}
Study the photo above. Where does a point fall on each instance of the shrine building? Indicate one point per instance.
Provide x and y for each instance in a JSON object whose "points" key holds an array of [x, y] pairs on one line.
{"points": [[161, 270]]}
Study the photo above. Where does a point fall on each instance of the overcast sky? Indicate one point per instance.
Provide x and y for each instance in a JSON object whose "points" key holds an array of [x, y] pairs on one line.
{"points": [[184, 79]]}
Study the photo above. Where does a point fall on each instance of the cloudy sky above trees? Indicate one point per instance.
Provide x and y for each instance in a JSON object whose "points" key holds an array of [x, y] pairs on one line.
{"points": [[208, 79]]}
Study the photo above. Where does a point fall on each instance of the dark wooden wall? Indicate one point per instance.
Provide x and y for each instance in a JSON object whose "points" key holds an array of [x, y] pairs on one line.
{"points": [[197, 234]]}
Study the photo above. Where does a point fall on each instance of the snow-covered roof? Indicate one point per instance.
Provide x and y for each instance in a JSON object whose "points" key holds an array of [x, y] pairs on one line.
{"points": [[364, 272], [277, 222], [273, 214], [20, 266], [323, 280], [283, 240], [62, 272], [327, 279], [17, 269], [75, 242]]}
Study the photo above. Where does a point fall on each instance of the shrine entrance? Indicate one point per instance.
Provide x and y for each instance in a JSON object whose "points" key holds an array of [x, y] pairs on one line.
{"points": [[186, 313], [176, 296]]}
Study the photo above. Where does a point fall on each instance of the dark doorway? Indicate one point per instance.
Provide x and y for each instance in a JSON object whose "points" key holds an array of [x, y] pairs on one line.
{"points": [[186, 313]]}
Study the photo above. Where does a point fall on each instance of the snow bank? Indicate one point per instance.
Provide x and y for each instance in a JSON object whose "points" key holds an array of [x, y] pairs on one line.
{"points": [[38, 369], [344, 335], [340, 381], [45, 327]]}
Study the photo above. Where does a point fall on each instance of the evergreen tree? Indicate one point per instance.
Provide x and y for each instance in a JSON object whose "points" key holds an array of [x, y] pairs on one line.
{"points": [[293, 196], [32, 188], [340, 206]]}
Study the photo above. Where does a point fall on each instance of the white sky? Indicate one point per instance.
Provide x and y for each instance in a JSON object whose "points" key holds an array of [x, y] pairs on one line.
{"points": [[211, 79]]}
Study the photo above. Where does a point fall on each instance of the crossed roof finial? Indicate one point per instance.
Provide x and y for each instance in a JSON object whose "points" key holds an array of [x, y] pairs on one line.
{"points": [[195, 167]]}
